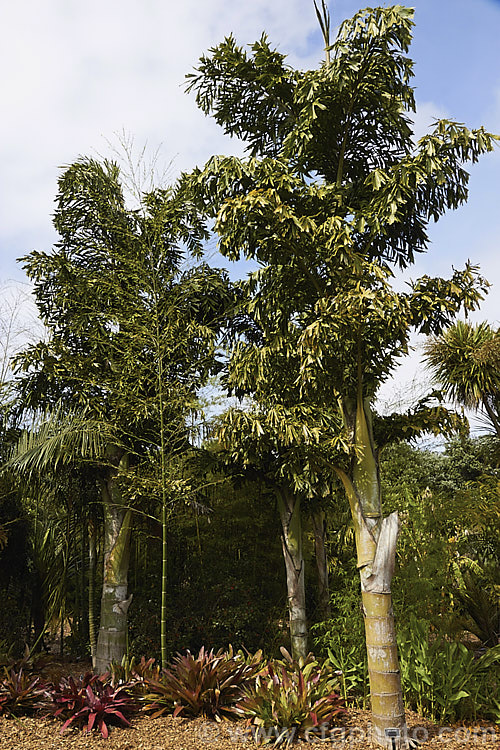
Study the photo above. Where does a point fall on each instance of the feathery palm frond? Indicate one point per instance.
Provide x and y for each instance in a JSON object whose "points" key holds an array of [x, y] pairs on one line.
{"points": [[57, 438]]}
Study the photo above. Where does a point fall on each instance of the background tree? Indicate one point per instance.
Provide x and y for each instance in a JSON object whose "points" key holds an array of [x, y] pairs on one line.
{"points": [[333, 196], [465, 360], [132, 336], [18, 325], [271, 441]]}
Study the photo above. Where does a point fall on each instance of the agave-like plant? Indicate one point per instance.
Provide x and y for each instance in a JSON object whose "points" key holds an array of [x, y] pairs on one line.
{"points": [[209, 684], [291, 700]]}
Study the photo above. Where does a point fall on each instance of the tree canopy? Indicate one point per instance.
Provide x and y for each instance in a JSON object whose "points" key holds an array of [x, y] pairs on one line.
{"points": [[333, 197]]}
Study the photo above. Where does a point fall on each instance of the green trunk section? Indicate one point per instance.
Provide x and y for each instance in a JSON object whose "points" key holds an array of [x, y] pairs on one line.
{"points": [[376, 551], [365, 470], [365, 541], [91, 590], [112, 639], [291, 539], [383, 667]]}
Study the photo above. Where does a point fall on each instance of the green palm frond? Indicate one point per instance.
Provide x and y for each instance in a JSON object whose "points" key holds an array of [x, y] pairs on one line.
{"points": [[57, 438]]}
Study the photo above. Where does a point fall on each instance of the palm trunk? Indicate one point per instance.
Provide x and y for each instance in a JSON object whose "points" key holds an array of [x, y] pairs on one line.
{"points": [[291, 540], [383, 665], [319, 528], [376, 551], [112, 639]]}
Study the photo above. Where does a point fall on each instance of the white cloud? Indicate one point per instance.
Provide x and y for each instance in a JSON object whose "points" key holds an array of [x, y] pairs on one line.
{"points": [[75, 73], [424, 117]]}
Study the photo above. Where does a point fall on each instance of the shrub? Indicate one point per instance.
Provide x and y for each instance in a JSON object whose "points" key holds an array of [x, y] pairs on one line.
{"points": [[291, 700], [444, 680], [207, 685], [21, 694]]}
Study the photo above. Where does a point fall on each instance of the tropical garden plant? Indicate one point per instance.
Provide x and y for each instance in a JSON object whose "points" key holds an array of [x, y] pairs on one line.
{"points": [[446, 680], [209, 684], [334, 195], [292, 700], [22, 693], [91, 704]]}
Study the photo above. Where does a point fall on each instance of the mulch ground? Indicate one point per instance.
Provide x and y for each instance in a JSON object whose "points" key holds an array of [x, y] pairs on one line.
{"points": [[167, 733]]}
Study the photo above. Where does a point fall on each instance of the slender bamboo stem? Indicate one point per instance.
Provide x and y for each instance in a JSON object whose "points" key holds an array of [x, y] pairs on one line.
{"points": [[163, 624], [164, 549], [91, 591]]}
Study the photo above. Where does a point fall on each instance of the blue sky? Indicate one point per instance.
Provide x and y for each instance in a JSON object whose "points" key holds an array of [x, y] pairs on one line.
{"points": [[74, 74]]}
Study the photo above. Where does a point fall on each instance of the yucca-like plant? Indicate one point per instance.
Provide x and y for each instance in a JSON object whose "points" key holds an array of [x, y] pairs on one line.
{"points": [[22, 694], [209, 684], [291, 700], [465, 359]]}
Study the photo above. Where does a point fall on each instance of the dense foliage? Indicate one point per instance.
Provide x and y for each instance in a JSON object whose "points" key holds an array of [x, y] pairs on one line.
{"points": [[116, 482], [291, 700], [209, 684]]}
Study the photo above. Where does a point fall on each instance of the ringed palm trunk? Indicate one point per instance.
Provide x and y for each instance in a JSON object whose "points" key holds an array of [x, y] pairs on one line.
{"points": [[319, 528], [376, 538], [291, 541], [112, 638]]}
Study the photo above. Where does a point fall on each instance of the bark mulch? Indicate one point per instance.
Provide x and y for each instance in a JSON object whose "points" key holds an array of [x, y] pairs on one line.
{"points": [[167, 733]]}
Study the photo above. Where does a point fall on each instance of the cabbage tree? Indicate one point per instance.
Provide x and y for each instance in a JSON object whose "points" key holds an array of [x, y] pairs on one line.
{"points": [[465, 359]]}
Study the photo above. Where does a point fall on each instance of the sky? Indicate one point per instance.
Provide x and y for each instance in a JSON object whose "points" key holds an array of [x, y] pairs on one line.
{"points": [[76, 74]]}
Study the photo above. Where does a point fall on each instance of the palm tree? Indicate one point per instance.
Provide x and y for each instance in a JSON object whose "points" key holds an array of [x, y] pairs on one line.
{"points": [[465, 360], [133, 334]]}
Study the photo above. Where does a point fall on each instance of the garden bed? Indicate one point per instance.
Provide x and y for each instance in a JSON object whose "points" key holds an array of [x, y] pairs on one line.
{"points": [[167, 733]]}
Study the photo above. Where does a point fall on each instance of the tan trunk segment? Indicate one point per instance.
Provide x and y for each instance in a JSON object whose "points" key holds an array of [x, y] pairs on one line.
{"points": [[376, 538], [383, 668]]}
